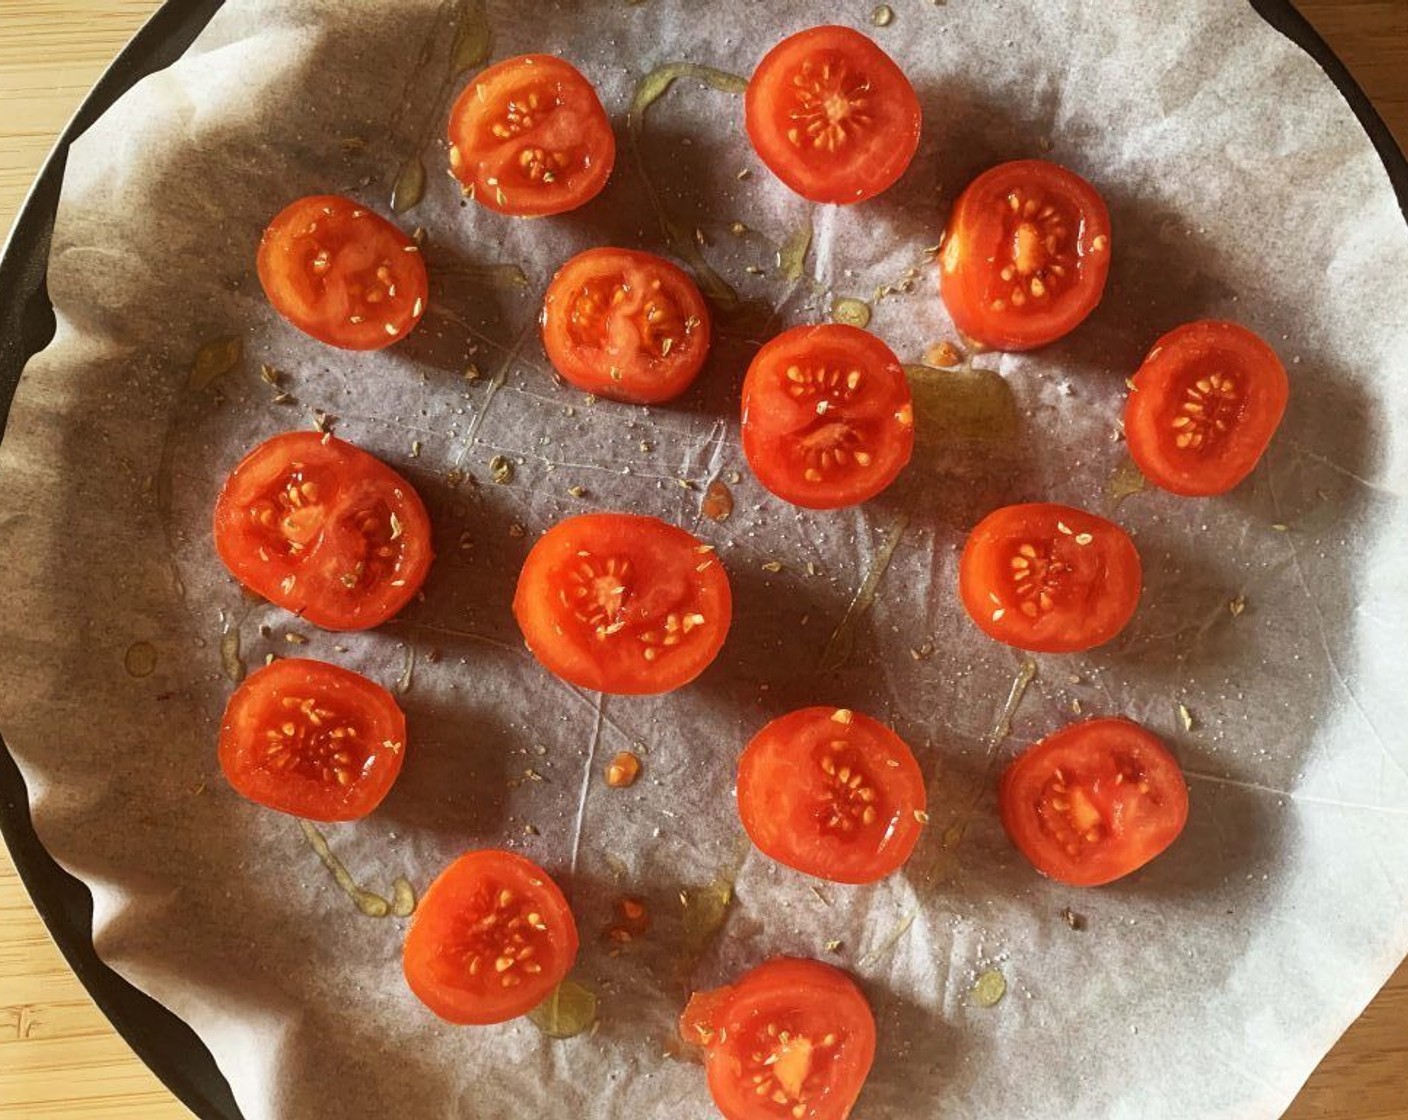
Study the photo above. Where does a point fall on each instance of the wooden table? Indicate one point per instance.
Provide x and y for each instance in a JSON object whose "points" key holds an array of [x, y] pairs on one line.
{"points": [[59, 1057]]}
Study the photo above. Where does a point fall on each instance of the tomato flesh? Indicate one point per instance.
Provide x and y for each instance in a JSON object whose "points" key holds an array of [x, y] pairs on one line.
{"points": [[490, 939], [312, 739], [622, 603], [828, 420], [791, 1040], [529, 137], [832, 793], [324, 530], [832, 116], [1204, 406], [625, 325], [1049, 578], [342, 274], [1025, 255], [1094, 801]]}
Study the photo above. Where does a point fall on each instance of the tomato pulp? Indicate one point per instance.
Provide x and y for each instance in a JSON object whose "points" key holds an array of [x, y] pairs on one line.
{"points": [[828, 420], [1093, 802], [529, 137], [832, 116], [342, 274], [791, 1040], [490, 939], [622, 603], [625, 325], [1025, 255], [1049, 578], [324, 530], [1204, 406], [312, 739], [832, 793]]}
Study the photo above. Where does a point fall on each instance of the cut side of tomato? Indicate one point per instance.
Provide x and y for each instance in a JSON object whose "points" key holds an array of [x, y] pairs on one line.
{"points": [[1025, 255], [529, 137], [625, 325], [324, 530], [312, 739], [832, 116], [1204, 406], [490, 939], [621, 603], [342, 274], [832, 793], [1049, 578], [828, 420], [791, 1040], [1094, 801]]}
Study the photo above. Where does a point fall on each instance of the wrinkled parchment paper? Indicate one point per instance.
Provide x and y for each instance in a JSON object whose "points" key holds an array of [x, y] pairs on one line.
{"points": [[1269, 648]]}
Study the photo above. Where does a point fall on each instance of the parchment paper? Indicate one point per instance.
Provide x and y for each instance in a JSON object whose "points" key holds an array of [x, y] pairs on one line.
{"points": [[1207, 985]]}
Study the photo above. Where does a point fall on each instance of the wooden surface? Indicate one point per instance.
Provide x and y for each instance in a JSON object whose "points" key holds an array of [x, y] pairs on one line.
{"points": [[59, 1058]]}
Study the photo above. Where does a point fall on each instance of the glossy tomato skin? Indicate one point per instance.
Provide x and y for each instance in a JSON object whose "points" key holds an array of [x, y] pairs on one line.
{"points": [[313, 740], [528, 137], [342, 274], [832, 116], [1025, 255], [621, 603], [1049, 578], [801, 1028], [1204, 406], [490, 939], [625, 325], [324, 530], [1094, 802], [828, 420], [832, 793]]}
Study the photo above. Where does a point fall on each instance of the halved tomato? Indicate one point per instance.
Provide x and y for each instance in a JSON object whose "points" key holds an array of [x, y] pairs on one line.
{"points": [[1025, 255], [1094, 801], [1204, 406], [625, 325], [529, 137], [832, 793], [324, 530], [490, 939], [312, 739], [1049, 578], [621, 603], [827, 416], [342, 274], [791, 1040], [832, 116]]}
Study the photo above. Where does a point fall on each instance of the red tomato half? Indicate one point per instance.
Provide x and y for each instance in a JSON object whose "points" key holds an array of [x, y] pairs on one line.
{"points": [[827, 416], [490, 939], [791, 1040], [625, 325], [1094, 801], [1205, 404], [312, 739], [529, 137], [1025, 255], [832, 116], [1049, 578], [621, 603], [324, 530], [342, 274], [831, 793]]}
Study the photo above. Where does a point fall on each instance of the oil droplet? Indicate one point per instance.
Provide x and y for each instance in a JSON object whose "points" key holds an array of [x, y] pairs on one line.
{"points": [[408, 670], [472, 40], [500, 276], [843, 639], [705, 909], [953, 835], [792, 257], [718, 501], [409, 188], [1126, 480], [230, 659], [370, 904], [851, 312], [890, 942], [140, 659], [214, 360], [882, 16], [567, 1012], [403, 898], [963, 403], [989, 988]]}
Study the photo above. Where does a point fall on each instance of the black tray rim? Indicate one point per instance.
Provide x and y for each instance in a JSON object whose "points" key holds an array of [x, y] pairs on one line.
{"points": [[168, 1047]]}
